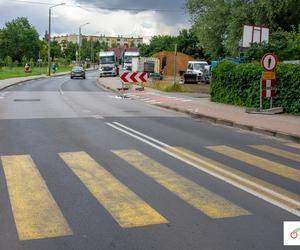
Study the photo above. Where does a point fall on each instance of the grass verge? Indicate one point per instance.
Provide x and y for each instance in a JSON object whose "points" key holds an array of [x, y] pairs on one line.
{"points": [[167, 86], [6, 72]]}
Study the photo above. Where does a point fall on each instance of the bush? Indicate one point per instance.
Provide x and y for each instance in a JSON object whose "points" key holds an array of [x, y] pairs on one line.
{"points": [[167, 86], [239, 85]]}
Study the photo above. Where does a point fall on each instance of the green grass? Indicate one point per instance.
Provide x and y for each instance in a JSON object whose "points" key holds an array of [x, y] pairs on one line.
{"points": [[6, 72], [168, 86]]}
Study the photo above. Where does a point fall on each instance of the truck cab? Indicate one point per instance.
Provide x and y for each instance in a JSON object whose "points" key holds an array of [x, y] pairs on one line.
{"points": [[127, 60], [108, 64]]}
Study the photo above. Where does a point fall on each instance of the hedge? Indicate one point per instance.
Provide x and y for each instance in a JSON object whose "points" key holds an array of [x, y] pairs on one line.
{"points": [[239, 85]]}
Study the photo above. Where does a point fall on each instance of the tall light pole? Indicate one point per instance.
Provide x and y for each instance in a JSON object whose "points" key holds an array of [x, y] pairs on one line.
{"points": [[49, 37], [79, 59]]}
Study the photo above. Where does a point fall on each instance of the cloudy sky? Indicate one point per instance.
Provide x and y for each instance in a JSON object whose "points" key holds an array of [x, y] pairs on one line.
{"points": [[110, 17]]}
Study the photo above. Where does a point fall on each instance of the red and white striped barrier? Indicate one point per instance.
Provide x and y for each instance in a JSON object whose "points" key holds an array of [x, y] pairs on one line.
{"points": [[133, 77]]}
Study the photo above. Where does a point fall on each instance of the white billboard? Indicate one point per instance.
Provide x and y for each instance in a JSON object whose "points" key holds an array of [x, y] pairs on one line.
{"points": [[254, 34]]}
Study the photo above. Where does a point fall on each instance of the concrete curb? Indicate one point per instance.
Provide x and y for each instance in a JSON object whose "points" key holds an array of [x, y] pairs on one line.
{"points": [[33, 79], [229, 123], [225, 122], [39, 78], [106, 87]]}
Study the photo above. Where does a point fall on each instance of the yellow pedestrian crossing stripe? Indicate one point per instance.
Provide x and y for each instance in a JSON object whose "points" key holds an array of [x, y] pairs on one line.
{"points": [[293, 145], [234, 176], [34, 209], [197, 196], [277, 152], [259, 162], [38, 216], [126, 207]]}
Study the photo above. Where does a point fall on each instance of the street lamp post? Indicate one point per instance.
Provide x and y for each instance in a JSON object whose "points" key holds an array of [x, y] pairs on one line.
{"points": [[49, 37], [79, 45]]}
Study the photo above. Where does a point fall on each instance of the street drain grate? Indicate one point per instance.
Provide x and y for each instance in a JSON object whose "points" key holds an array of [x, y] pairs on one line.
{"points": [[27, 100]]}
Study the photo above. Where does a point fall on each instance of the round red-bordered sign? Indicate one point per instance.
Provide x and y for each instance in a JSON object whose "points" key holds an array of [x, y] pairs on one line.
{"points": [[269, 62]]}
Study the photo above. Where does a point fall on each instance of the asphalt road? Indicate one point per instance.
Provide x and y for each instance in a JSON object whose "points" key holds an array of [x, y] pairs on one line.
{"points": [[83, 169]]}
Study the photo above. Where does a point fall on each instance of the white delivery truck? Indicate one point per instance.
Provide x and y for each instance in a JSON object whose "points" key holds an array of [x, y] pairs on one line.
{"points": [[127, 59], [108, 64]]}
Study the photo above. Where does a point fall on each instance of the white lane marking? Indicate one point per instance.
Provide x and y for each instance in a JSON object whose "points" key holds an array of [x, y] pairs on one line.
{"points": [[143, 135], [60, 86], [97, 117], [233, 183], [60, 90], [86, 111]]}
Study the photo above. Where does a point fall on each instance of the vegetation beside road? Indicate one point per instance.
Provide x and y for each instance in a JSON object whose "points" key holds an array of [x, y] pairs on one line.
{"points": [[239, 85], [169, 86], [7, 72]]}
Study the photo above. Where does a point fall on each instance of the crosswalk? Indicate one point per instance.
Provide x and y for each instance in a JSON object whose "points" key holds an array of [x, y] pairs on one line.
{"points": [[156, 98], [37, 215]]}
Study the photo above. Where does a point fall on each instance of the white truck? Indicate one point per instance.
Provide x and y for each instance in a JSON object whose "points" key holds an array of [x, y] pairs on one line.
{"points": [[197, 71], [127, 59], [108, 65]]}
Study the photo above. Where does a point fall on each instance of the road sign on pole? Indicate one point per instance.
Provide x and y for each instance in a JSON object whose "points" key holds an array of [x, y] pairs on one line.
{"points": [[269, 62], [133, 77]]}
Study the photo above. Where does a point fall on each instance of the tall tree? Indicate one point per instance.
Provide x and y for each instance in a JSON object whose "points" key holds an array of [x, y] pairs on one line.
{"points": [[157, 44], [219, 23], [189, 44], [56, 50], [70, 51], [19, 39]]}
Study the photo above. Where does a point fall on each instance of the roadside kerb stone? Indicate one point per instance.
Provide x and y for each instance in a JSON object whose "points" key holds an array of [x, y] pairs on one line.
{"points": [[230, 123], [33, 78]]}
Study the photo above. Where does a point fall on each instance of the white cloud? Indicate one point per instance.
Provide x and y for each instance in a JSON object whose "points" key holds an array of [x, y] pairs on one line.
{"points": [[66, 19]]}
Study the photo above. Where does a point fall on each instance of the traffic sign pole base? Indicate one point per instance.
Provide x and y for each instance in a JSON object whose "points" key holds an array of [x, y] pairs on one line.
{"points": [[272, 111]]}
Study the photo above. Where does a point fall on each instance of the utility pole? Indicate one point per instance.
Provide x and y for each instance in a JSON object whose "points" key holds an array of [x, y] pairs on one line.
{"points": [[79, 57], [175, 66], [49, 38], [49, 44]]}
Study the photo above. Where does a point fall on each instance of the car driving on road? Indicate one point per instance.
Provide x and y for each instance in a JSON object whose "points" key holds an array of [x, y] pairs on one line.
{"points": [[77, 71]]}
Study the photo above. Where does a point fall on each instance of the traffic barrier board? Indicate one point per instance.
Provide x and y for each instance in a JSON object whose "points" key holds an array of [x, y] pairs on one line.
{"points": [[133, 77], [268, 88]]}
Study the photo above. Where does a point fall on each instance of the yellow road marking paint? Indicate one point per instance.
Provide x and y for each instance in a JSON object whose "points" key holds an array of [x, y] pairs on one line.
{"points": [[259, 162], [200, 198], [293, 145], [35, 211], [126, 207], [264, 188], [278, 152]]}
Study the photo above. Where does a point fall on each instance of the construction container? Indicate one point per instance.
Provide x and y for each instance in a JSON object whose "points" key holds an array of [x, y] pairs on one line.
{"points": [[146, 64]]}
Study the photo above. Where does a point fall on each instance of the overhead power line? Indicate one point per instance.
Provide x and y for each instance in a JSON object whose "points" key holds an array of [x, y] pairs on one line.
{"points": [[95, 8]]}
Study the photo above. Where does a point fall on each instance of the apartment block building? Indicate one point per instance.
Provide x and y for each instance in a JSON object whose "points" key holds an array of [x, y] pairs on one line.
{"points": [[111, 41]]}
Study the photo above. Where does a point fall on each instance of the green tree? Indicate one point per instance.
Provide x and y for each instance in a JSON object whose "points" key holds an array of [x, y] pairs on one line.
{"points": [[56, 50], [189, 44], [19, 38], [8, 61], [218, 24], [70, 51], [157, 44], [286, 45]]}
